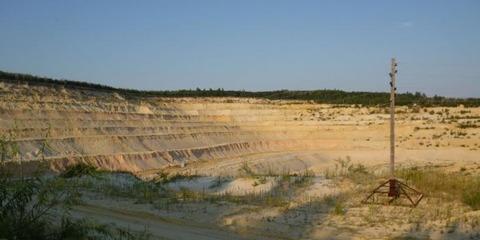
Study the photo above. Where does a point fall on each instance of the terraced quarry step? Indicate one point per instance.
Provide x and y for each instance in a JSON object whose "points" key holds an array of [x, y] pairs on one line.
{"points": [[153, 133]]}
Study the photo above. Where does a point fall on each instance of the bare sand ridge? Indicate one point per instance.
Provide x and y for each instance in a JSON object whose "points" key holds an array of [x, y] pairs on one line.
{"points": [[215, 137]]}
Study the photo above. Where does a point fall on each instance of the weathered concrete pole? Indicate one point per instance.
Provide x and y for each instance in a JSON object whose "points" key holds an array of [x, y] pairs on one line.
{"points": [[393, 78]]}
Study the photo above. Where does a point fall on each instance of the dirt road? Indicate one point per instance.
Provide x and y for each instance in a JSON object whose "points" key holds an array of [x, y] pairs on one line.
{"points": [[158, 227]]}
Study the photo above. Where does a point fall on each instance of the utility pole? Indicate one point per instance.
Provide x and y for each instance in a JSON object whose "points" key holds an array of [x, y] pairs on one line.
{"points": [[393, 190], [393, 89]]}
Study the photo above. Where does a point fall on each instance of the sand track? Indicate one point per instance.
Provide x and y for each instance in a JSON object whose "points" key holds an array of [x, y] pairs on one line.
{"points": [[158, 227]]}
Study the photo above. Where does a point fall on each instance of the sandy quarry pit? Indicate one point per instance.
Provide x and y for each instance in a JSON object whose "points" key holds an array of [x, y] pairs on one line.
{"points": [[212, 141]]}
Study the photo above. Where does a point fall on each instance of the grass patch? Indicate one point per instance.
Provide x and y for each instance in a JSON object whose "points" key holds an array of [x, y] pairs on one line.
{"points": [[29, 205], [164, 178], [156, 192], [300, 179], [451, 186], [471, 197], [339, 209], [357, 173]]}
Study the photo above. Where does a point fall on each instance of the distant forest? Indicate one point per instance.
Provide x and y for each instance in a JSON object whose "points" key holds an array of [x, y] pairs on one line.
{"points": [[319, 96]]}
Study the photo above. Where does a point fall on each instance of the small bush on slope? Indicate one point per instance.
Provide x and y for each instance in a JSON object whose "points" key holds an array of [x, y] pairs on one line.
{"points": [[78, 170], [29, 205]]}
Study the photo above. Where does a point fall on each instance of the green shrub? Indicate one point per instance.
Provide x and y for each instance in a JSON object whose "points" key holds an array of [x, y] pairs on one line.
{"points": [[339, 209], [78, 170], [28, 205]]}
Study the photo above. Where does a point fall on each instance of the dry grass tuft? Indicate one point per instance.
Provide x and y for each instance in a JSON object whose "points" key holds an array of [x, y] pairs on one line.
{"points": [[459, 186]]}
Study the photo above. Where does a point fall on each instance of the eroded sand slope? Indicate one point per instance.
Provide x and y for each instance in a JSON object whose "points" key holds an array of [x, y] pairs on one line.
{"points": [[218, 141], [106, 130]]}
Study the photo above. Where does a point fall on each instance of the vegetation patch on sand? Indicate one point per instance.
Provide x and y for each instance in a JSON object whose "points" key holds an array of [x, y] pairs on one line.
{"points": [[38, 206]]}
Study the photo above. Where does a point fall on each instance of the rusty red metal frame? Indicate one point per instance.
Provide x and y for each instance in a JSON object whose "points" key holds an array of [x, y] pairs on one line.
{"points": [[394, 192]]}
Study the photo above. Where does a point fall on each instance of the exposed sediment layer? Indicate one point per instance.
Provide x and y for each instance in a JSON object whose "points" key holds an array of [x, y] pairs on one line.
{"points": [[68, 126]]}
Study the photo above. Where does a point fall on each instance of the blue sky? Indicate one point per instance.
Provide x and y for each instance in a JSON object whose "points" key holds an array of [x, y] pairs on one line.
{"points": [[252, 45]]}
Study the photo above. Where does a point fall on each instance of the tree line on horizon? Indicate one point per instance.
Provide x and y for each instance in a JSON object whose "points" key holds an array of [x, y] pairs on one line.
{"points": [[319, 96]]}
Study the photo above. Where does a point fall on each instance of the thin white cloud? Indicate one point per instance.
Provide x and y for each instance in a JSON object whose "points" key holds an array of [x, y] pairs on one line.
{"points": [[406, 24]]}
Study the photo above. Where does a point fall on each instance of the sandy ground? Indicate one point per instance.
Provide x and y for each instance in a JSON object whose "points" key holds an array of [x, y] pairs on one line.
{"points": [[158, 227], [215, 138]]}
